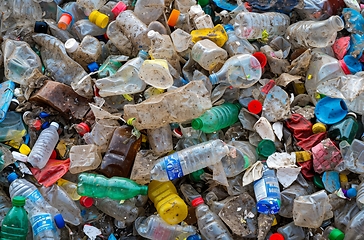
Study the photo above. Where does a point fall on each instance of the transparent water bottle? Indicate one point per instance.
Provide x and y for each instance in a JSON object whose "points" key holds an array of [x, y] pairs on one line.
{"points": [[354, 230], [235, 45]]}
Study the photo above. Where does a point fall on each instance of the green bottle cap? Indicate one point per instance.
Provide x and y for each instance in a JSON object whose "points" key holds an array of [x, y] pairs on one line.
{"points": [[318, 181], [336, 234], [196, 176], [266, 148], [203, 3], [197, 123], [18, 201]]}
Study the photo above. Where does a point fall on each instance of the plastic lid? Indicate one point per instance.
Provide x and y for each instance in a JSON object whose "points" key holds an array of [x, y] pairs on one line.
{"points": [[151, 33], [64, 21], [351, 193], [196, 176], [58, 219], [261, 58], [71, 45], [173, 18], [255, 106], [24, 149], [276, 236], [99, 19], [197, 201], [44, 115], [318, 181], [194, 237], [120, 7], [12, 176], [55, 124], [82, 128], [266, 148], [93, 67], [203, 3], [87, 202], [18, 201], [228, 27], [40, 27], [45, 125], [352, 114], [336, 234], [318, 128]]}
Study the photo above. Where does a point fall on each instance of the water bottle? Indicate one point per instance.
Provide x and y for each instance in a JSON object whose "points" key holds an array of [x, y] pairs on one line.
{"points": [[235, 45], [15, 223], [354, 229], [208, 55], [189, 160], [217, 118], [43, 147], [332, 233], [360, 195], [117, 188], [267, 192]]}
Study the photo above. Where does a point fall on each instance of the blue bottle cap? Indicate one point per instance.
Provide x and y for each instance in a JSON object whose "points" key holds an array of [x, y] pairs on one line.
{"points": [[351, 193], [44, 115], [331, 110], [228, 27], [59, 221], [45, 125], [268, 206], [194, 237], [331, 181], [93, 67], [12, 176]]}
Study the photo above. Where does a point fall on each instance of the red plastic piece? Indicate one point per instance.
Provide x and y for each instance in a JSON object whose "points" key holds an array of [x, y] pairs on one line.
{"points": [[344, 67], [276, 236], [82, 128], [261, 58], [299, 126], [311, 141], [341, 47], [53, 155], [326, 156], [307, 170], [53, 171], [267, 87], [197, 201]]}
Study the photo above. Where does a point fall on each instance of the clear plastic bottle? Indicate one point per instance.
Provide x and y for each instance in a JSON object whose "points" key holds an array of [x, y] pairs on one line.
{"points": [[320, 34], [91, 5], [332, 233], [85, 53], [70, 14], [292, 232], [189, 160], [119, 39], [70, 188], [208, 55], [250, 25], [155, 228], [235, 45], [179, 20], [84, 27], [43, 147], [200, 18], [354, 229]]}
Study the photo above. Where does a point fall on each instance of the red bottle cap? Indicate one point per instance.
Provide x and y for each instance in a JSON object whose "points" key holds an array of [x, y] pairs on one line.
{"points": [[87, 202], [64, 21], [276, 236], [120, 7], [255, 106], [82, 128], [261, 58], [197, 201]]}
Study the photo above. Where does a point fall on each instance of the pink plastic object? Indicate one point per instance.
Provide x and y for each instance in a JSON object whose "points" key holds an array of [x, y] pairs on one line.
{"points": [[326, 156]]}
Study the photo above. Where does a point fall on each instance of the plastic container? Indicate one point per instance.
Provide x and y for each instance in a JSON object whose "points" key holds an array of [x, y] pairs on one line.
{"points": [[208, 55], [169, 205], [189, 160], [217, 118], [15, 223], [200, 19], [346, 129], [117, 188], [156, 73], [179, 20]]}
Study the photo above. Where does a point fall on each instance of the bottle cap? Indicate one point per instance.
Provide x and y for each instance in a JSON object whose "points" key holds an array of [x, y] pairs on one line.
{"points": [[43, 114], [266, 148], [24, 149], [173, 18], [318, 128], [336, 234], [64, 21], [197, 123], [197, 201], [12, 176], [87, 202], [120, 7], [352, 114], [261, 58], [40, 27], [194, 237], [18, 201], [19, 157], [276, 236], [54, 124], [99, 19], [351, 193], [151, 33], [71, 45], [36, 124], [58, 219], [82, 128], [255, 106], [93, 67], [203, 3]]}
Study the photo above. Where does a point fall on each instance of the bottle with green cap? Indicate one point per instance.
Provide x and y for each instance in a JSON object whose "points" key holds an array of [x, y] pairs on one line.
{"points": [[15, 223], [332, 233], [217, 118]]}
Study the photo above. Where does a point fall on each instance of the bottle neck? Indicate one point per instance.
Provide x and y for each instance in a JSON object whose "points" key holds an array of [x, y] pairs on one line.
{"points": [[336, 23], [213, 78]]}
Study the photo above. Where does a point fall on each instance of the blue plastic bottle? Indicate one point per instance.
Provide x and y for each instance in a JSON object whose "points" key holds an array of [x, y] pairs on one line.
{"points": [[267, 192]]}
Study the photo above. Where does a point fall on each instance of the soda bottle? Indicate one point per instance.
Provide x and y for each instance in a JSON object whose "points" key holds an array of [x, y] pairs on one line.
{"points": [[345, 129], [15, 223], [117, 188]]}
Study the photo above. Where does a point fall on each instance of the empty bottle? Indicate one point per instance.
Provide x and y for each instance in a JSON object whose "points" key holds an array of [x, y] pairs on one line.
{"points": [[235, 45], [85, 53], [179, 20], [155, 228], [200, 18], [118, 188], [189, 160], [217, 118], [15, 224], [148, 11], [346, 129], [354, 229], [43, 147], [292, 232], [70, 14], [156, 73], [332, 233], [208, 55], [70, 188], [84, 27], [320, 34], [250, 25]]}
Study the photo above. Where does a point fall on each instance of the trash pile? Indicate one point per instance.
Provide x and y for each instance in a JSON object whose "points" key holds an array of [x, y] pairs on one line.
{"points": [[184, 119]]}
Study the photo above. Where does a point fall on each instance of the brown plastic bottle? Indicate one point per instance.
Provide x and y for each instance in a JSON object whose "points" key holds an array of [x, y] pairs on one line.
{"points": [[121, 152]]}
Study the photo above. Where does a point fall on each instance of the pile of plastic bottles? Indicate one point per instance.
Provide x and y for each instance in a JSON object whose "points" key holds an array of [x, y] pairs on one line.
{"points": [[182, 119]]}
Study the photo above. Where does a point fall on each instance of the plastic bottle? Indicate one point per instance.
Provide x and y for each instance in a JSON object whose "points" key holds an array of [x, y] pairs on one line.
{"points": [[70, 188], [84, 27], [12, 127], [148, 11], [169, 205], [155, 228], [160, 139], [121, 152], [332, 233], [189, 160], [117, 188], [208, 55], [267, 192], [320, 34], [292, 232], [70, 14], [217, 118], [250, 25], [354, 229], [5, 205], [346, 129], [15, 223], [85, 53], [91, 5], [126, 80], [43, 147], [179, 20], [200, 19], [235, 45], [240, 71], [216, 34]]}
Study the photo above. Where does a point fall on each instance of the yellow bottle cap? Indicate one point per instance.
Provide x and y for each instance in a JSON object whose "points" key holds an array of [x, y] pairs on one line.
{"points": [[318, 128], [24, 149], [343, 178], [99, 19], [173, 18]]}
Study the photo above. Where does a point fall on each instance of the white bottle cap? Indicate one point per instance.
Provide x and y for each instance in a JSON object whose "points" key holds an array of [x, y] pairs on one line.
{"points": [[151, 33], [55, 124], [71, 45]]}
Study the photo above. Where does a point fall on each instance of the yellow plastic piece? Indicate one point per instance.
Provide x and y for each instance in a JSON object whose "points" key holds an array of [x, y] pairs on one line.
{"points": [[130, 121], [99, 19], [128, 97], [265, 36], [343, 178], [169, 205], [24, 149], [275, 222], [303, 156], [309, 77], [318, 128], [13, 144], [216, 34], [144, 138], [299, 88]]}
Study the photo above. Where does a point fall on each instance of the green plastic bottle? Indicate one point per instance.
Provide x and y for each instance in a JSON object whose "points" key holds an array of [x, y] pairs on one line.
{"points": [[117, 188], [217, 118], [346, 129], [15, 223]]}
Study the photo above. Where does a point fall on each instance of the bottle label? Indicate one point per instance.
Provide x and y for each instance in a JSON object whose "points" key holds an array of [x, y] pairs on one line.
{"points": [[173, 166], [42, 222], [35, 196], [264, 189]]}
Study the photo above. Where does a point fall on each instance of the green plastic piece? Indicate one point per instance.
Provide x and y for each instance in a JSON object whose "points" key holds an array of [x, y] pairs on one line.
{"points": [[203, 3], [266, 148], [318, 181], [196, 176]]}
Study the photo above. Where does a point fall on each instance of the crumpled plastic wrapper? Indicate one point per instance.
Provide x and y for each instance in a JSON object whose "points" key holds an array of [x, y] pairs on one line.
{"points": [[255, 172]]}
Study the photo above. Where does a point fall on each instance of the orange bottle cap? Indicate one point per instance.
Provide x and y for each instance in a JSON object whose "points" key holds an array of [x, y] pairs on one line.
{"points": [[64, 21], [99, 19], [173, 18]]}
